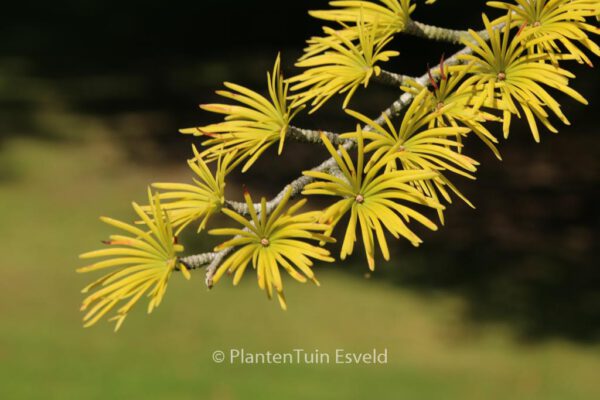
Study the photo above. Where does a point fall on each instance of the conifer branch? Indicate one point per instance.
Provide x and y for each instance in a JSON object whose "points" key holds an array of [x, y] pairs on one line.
{"points": [[197, 260], [312, 136], [298, 184], [391, 79], [508, 73], [419, 29]]}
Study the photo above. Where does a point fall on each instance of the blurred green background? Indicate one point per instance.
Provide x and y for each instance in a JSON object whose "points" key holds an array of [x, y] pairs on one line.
{"points": [[503, 302]]}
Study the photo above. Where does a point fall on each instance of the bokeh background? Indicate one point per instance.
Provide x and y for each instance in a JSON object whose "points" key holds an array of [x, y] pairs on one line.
{"points": [[503, 302]]}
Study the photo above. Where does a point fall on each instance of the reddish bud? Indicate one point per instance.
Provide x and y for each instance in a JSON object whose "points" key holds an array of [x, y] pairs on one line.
{"points": [[431, 80]]}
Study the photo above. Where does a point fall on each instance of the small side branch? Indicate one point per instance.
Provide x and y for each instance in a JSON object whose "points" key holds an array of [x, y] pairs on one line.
{"points": [[212, 267], [431, 32], [197, 261], [312, 136], [392, 79]]}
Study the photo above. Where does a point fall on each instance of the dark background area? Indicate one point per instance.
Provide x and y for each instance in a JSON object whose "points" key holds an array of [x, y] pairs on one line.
{"points": [[526, 254]]}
